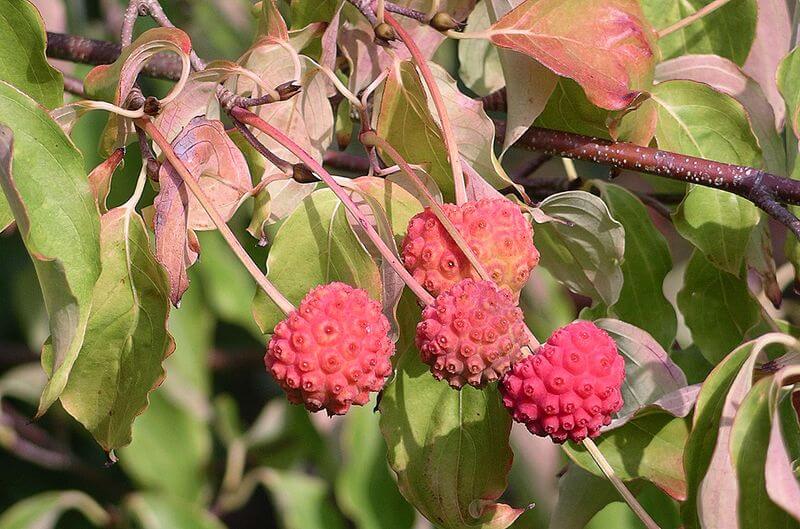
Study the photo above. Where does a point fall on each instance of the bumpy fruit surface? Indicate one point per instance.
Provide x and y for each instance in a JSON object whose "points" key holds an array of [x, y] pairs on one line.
{"points": [[570, 387], [495, 230], [333, 350], [471, 334]]}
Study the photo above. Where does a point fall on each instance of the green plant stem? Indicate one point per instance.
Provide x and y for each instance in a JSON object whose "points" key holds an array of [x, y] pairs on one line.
{"points": [[629, 498], [274, 294], [248, 118], [438, 103], [691, 19]]}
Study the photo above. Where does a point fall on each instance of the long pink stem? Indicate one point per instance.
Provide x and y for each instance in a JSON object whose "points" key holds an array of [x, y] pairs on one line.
{"points": [[438, 103], [274, 294], [248, 118]]}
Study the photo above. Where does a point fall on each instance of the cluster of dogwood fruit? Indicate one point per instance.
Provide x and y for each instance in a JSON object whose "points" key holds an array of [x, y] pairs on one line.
{"points": [[335, 349]]}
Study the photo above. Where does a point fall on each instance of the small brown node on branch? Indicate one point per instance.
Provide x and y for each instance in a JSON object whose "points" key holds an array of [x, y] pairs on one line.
{"points": [[288, 90], [442, 21], [384, 33], [152, 106], [302, 174]]}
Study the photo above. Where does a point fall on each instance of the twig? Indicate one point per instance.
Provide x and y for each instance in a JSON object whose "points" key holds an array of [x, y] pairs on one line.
{"points": [[94, 52], [274, 294], [697, 15], [742, 180], [629, 498], [346, 162], [407, 12], [74, 86], [765, 190], [529, 166]]}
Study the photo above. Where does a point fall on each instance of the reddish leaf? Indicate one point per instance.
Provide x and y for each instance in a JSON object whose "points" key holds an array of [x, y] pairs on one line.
{"points": [[604, 45], [212, 158], [100, 177]]}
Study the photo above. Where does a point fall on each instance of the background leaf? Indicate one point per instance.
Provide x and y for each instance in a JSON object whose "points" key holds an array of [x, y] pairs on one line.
{"points": [[24, 36], [718, 322], [710, 34]]}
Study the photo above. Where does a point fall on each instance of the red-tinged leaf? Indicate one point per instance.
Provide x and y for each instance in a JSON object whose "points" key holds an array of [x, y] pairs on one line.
{"points": [[221, 168], [222, 173], [100, 177], [604, 45], [271, 23], [112, 82]]}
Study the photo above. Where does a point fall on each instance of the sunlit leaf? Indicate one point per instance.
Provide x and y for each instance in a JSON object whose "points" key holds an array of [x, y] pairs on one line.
{"points": [[43, 511], [39, 166], [606, 46]]}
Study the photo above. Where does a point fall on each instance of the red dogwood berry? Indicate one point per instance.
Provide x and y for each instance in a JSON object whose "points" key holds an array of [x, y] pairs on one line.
{"points": [[333, 350], [471, 334], [570, 387], [495, 230]]}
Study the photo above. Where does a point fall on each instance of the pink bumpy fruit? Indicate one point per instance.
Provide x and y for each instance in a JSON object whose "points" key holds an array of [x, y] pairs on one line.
{"points": [[471, 334], [495, 230], [570, 387], [333, 350]]}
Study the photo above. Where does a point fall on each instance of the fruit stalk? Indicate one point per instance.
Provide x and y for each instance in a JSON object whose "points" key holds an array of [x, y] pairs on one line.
{"points": [[626, 494], [248, 118], [438, 103], [274, 294]]}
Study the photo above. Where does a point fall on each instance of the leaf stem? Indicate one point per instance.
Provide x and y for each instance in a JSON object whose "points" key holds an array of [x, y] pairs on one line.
{"points": [[694, 17], [626, 494], [274, 294], [248, 118], [441, 110]]}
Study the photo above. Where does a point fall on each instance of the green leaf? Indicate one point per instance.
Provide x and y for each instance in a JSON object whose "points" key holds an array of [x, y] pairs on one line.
{"points": [[569, 110], [705, 427], [646, 263], [788, 78], [717, 306], [227, 285], [43, 178], [22, 59], [713, 33], [478, 61], [365, 489], [449, 448], [749, 442], [155, 511], [584, 251], [696, 120], [581, 495], [170, 450], [44, 510], [126, 335], [404, 120], [649, 447], [315, 246], [606, 46], [473, 130], [305, 12]]}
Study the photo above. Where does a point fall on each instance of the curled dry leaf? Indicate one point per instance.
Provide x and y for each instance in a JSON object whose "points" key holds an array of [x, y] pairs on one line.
{"points": [[608, 47], [100, 177], [220, 168]]}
